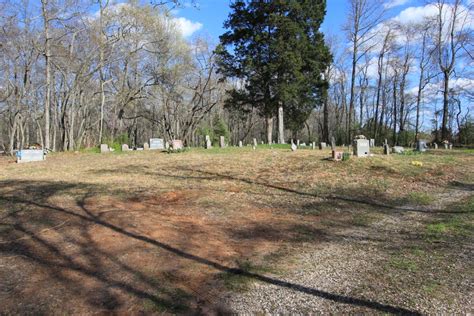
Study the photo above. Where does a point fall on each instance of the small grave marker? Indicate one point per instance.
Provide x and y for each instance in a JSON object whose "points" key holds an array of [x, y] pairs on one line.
{"points": [[177, 144], [255, 142], [294, 147], [146, 146], [398, 149], [222, 141], [322, 145], [361, 147], [125, 147], [104, 148], [30, 155], [240, 144], [208, 144], [156, 144]]}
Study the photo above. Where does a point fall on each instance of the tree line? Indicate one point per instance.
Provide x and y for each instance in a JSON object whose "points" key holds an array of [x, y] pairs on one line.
{"points": [[75, 74]]}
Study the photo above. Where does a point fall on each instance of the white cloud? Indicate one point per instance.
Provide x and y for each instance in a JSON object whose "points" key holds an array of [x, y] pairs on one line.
{"points": [[395, 3], [187, 27]]}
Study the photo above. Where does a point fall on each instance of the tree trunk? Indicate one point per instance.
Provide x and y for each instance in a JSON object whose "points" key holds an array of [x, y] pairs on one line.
{"points": [[269, 120], [281, 125], [47, 55], [444, 126]]}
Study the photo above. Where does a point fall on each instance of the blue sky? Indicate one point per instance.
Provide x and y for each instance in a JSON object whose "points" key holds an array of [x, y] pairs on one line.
{"points": [[211, 14]]}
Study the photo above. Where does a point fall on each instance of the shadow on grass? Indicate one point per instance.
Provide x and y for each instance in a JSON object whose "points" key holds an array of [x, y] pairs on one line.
{"points": [[351, 196], [89, 259]]}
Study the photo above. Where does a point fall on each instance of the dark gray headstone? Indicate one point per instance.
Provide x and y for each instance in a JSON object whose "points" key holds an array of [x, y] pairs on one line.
{"points": [[421, 146]]}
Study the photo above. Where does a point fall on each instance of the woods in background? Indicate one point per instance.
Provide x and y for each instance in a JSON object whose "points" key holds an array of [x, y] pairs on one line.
{"points": [[74, 74]]}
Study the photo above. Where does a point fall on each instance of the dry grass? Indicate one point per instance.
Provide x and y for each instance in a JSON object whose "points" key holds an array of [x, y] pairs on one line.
{"points": [[154, 232]]}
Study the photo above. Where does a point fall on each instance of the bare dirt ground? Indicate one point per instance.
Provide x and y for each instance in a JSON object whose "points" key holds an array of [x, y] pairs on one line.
{"points": [[235, 230]]}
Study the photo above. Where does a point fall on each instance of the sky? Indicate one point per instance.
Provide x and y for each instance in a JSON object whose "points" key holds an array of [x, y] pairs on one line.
{"points": [[208, 16]]}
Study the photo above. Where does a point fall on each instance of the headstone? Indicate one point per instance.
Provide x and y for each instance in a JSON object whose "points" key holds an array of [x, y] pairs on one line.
{"points": [[398, 149], [313, 145], [157, 143], [435, 145], [322, 145], [262, 142], [139, 149], [421, 146], [104, 148], [450, 146], [333, 143], [255, 142], [125, 147], [361, 147], [372, 142], [146, 146], [303, 144], [167, 145], [177, 144], [298, 142], [208, 144], [337, 155], [446, 146], [240, 144], [30, 155], [294, 147], [222, 141]]}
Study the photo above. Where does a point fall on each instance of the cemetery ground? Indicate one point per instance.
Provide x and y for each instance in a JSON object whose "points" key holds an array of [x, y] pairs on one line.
{"points": [[237, 230]]}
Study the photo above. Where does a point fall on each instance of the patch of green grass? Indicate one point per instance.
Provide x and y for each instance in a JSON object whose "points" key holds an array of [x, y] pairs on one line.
{"points": [[240, 282], [403, 263], [420, 198], [174, 301], [458, 223], [362, 219], [431, 287]]}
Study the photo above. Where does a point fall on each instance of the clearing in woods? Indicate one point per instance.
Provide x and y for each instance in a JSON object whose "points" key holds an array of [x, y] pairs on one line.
{"points": [[237, 230]]}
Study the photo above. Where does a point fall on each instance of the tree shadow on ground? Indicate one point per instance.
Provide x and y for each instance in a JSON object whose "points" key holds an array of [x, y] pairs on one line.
{"points": [[72, 257]]}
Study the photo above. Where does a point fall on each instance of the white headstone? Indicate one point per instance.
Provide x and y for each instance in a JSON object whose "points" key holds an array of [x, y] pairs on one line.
{"points": [[146, 146], [222, 141], [294, 147], [435, 145], [398, 149], [208, 142], [125, 147], [255, 142], [157, 143], [240, 144], [104, 148], [30, 155], [322, 145], [361, 147]]}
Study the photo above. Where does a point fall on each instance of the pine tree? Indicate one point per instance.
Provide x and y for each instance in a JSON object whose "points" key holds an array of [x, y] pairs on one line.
{"points": [[275, 48]]}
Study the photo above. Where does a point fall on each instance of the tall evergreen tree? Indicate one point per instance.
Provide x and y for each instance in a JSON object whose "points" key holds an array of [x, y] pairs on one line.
{"points": [[276, 49]]}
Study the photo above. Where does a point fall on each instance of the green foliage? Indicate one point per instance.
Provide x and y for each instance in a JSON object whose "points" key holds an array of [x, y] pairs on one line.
{"points": [[220, 128], [466, 133], [276, 48]]}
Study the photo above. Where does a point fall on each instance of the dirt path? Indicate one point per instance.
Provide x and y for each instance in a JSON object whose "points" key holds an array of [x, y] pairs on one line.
{"points": [[348, 271]]}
